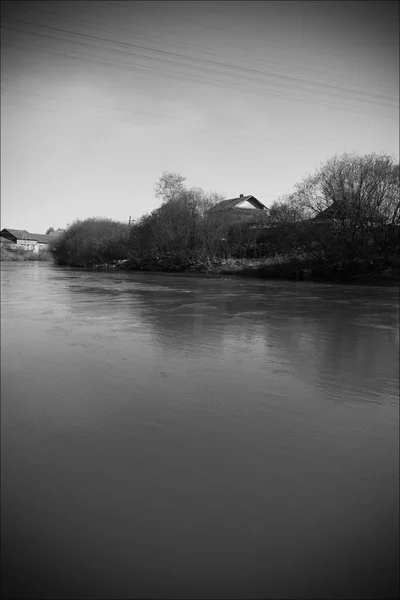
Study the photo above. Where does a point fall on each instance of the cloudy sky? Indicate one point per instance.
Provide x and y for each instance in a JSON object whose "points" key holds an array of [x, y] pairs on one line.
{"points": [[99, 98]]}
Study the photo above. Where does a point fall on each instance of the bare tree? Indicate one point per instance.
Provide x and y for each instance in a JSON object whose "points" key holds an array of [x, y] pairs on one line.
{"points": [[169, 186], [286, 211], [354, 187], [179, 232], [356, 202]]}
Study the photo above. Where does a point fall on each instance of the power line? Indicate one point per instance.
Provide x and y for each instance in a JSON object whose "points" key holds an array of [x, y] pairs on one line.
{"points": [[188, 77], [368, 97], [209, 50], [183, 76], [210, 25]]}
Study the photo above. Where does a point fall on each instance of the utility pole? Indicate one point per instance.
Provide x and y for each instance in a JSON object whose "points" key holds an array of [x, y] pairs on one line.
{"points": [[130, 220]]}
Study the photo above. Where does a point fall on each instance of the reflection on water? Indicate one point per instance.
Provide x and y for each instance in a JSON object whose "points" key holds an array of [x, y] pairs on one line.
{"points": [[169, 437]]}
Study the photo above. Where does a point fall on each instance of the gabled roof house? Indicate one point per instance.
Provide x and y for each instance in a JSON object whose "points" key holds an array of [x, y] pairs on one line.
{"points": [[25, 239], [242, 208]]}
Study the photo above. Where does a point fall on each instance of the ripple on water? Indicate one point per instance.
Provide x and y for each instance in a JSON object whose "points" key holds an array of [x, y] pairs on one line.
{"points": [[274, 413]]}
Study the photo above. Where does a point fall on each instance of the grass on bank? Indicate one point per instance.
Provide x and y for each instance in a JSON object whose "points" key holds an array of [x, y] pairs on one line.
{"points": [[19, 254], [283, 266], [302, 268]]}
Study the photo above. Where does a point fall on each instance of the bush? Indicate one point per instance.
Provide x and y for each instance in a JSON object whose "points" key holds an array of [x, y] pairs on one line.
{"points": [[91, 242], [19, 254]]}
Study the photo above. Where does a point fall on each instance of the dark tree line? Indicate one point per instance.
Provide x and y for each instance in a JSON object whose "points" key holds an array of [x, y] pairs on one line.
{"points": [[347, 213]]}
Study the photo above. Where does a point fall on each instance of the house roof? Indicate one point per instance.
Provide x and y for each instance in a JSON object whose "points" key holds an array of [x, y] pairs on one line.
{"points": [[22, 234], [233, 202], [43, 239], [327, 213]]}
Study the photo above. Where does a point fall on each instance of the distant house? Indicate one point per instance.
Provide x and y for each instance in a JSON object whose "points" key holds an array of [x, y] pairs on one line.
{"points": [[332, 213], [20, 238], [340, 213], [241, 209]]}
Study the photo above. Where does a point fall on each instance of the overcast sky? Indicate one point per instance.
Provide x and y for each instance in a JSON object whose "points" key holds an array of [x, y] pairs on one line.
{"points": [[99, 98]]}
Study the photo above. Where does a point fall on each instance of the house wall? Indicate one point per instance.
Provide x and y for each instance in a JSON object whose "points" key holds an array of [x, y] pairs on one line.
{"points": [[244, 214], [6, 242], [237, 216], [28, 245]]}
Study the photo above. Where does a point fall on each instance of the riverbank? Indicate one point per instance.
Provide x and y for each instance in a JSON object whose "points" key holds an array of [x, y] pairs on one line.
{"points": [[24, 255], [278, 267]]}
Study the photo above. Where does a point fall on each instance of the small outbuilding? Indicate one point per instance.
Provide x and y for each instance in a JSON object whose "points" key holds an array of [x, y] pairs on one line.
{"points": [[20, 238]]}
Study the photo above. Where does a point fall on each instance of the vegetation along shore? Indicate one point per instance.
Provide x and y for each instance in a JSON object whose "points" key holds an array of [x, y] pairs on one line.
{"points": [[341, 223], [22, 255]]}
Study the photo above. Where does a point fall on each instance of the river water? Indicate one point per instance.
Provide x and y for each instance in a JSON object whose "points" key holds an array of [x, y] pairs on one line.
{"points": [[170, 436]]}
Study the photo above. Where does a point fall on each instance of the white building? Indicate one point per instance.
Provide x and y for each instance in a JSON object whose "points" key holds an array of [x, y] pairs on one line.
{"points": [[20, 238]]}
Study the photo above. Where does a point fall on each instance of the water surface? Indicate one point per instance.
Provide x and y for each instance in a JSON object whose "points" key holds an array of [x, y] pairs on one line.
{"points": [[179, 437]]}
